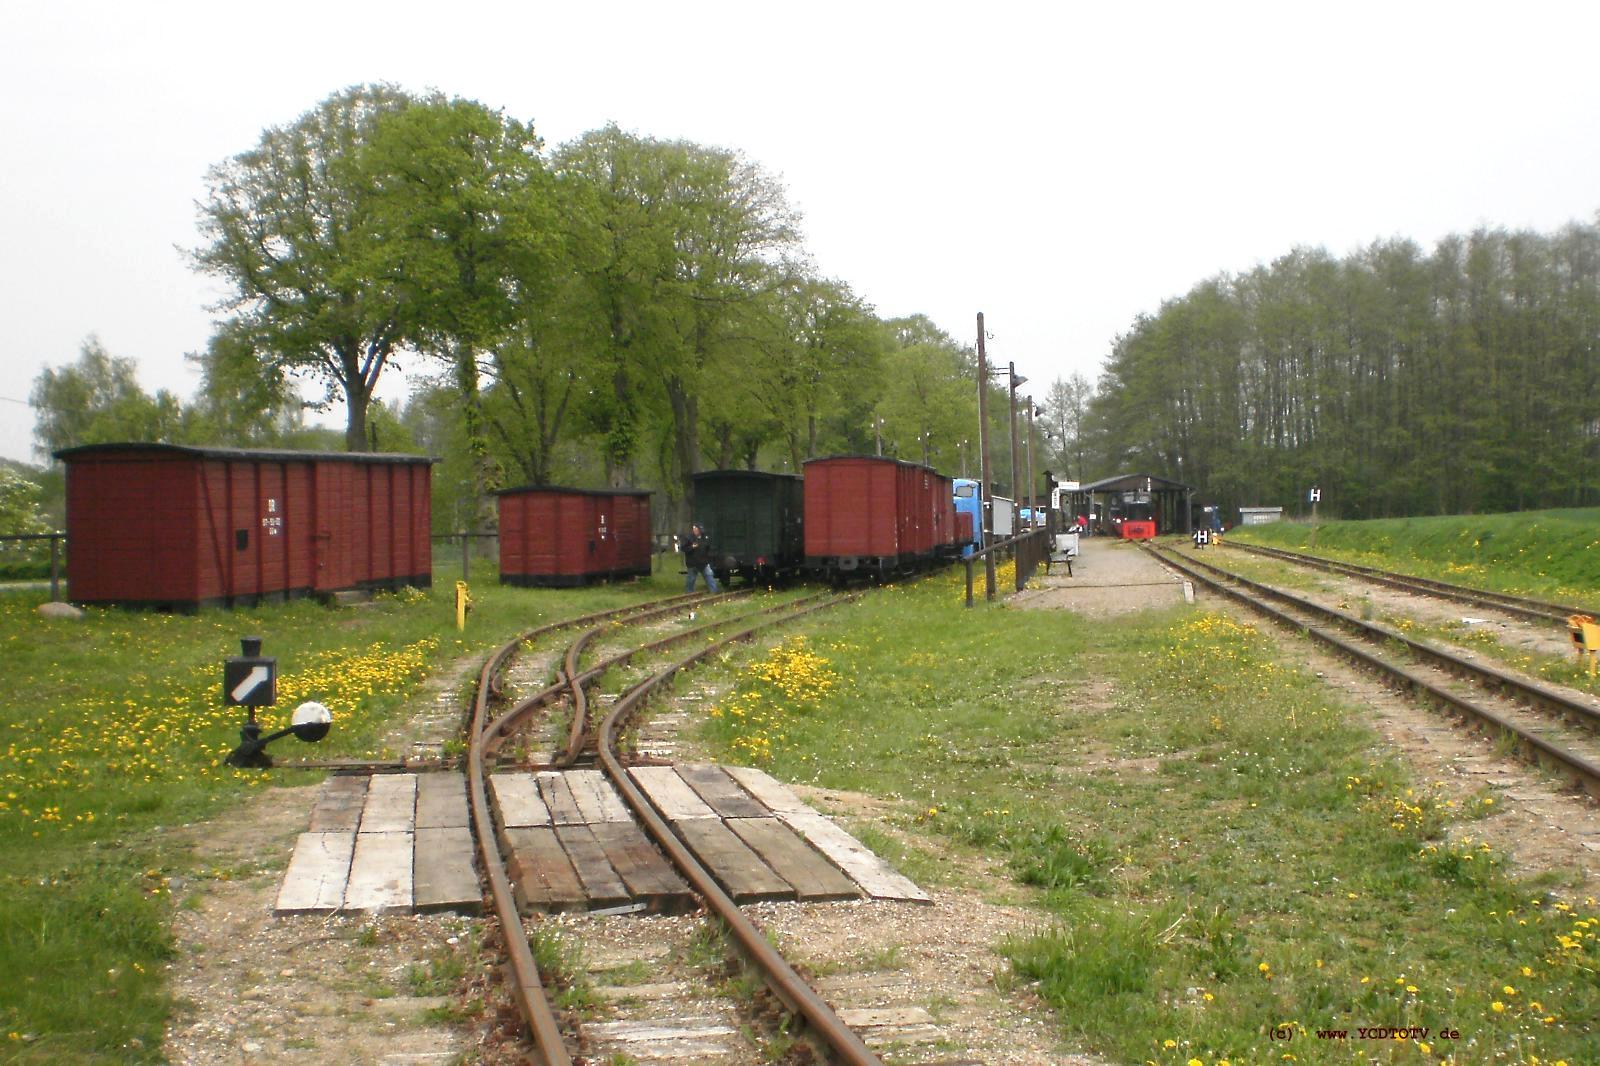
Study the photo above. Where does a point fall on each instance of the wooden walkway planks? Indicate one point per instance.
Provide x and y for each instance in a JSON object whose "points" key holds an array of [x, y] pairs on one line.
{"points": [[391, 804], [516, 797], [646, 872], [443, 874], [597, 798], [737, 869], [441, 801], [874, 875], [380, 872], [544, 877], [670, 794], [813, 877], [317, 874], [402, 842], [721, 793], [338, 806]]}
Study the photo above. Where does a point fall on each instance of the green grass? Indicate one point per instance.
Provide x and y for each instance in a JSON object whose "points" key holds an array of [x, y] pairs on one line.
{"points": [[1184, 809], [1552, 555], [1217, 844], [112, 729]]}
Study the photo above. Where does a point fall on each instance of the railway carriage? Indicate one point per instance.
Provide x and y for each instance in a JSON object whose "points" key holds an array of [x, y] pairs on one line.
{"points": [[179, 527], [560, 537], [755, 521], [874, 517]]}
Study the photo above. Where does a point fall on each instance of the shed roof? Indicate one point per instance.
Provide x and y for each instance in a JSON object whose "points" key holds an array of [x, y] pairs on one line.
{"points": [[1133, 483], [279, 455], [528, 490]]}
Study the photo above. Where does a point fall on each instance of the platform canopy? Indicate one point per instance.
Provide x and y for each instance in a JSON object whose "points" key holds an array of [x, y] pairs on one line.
{"points": [[1135, 483], [1173, 513]]}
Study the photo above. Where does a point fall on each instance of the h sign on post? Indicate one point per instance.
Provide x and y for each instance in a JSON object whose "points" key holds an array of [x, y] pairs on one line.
{"points": [[1316, 496]]}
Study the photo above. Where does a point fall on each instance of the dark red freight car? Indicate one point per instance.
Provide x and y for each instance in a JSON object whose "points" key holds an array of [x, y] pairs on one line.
{"points": [[872, 515], [171, 526], [563, 537]]}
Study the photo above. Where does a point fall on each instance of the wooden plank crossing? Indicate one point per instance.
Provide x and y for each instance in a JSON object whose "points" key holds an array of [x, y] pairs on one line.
{"points": [[338, 807], [380, 872], [813, 877], [318, 871], [543, 875], [441, 801], [737, 869], [721, 792], [670, 793], [442, 872], [403, 842], [516, 797]]}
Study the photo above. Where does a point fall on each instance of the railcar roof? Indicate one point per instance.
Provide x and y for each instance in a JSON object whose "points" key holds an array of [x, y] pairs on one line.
{"points": [[520, 489], [242, 454]]}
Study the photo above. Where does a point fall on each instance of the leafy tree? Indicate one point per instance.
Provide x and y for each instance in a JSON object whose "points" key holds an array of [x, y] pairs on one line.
{"points": [[97, 400], [293, 227], [468, 210], [243, 400]]}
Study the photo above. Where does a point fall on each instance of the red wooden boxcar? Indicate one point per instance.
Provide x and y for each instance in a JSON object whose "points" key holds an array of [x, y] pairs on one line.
{"points": [[875, 515], [170, 526], [562, 537]]}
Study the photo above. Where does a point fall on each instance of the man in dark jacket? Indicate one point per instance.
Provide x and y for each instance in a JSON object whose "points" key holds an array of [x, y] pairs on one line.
{"points": [[697, 559]]}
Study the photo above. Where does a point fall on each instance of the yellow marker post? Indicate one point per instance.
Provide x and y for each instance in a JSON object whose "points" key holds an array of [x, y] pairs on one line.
{"points": [[463, 601], [1585, 638]]}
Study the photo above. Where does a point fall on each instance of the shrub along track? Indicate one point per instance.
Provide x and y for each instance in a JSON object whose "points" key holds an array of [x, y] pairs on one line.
{"points": [[831, 1038], [1547, 727], [1521, 606]]}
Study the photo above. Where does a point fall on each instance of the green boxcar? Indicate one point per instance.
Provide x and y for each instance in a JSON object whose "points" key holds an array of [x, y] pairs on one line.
{"points": [[755, 521]]}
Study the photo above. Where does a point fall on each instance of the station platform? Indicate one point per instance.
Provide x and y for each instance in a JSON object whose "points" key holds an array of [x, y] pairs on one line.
{"points": [[1109, 577], [401, 843]]}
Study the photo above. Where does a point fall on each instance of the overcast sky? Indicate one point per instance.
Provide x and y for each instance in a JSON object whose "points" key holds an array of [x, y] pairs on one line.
{"points": [[1061, 168]]}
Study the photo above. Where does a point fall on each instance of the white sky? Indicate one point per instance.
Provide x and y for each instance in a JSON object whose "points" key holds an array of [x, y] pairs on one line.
{"points": [[1059, 167]]}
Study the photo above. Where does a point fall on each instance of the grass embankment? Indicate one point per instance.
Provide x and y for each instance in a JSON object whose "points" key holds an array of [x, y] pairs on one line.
{"points": [[1552, 555], [1227, 862], [112, 728]]}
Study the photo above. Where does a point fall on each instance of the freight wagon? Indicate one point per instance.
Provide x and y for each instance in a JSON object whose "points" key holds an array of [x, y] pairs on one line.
{"points": [[873, 517], [177, 527], [563, 537], [755, 521]]}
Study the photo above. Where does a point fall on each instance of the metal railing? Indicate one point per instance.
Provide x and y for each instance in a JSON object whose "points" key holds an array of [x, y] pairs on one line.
{"points": [[1028, 549], [56, 541]]}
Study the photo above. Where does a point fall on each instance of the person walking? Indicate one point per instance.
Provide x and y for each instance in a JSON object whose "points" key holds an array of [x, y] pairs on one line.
{"points": [[697, 559]]}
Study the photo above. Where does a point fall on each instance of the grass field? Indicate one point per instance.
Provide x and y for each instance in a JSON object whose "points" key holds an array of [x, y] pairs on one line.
{"points": [[1219, 849], [112, 729], [1553, 555], [1227, 861]]}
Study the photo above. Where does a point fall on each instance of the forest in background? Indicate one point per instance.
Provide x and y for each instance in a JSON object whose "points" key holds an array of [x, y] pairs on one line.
{"points": [[625, 311]]}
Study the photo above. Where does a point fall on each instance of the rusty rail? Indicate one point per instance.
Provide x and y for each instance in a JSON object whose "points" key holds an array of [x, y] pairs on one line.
{"points": [[1523, 606], [1584, 771], [840, 1042]]}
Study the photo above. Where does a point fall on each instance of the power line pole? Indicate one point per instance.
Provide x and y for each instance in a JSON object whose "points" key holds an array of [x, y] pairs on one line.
{"points": [[1011, 374], [985, 497]]}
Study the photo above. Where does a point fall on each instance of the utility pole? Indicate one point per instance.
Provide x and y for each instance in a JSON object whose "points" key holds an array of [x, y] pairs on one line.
{"points": [[985, 497], [877, 431], [1011, 373], [1033, 505]]}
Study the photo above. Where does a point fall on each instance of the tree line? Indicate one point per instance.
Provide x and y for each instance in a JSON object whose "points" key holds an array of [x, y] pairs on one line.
{"points": [[1465, 380]]}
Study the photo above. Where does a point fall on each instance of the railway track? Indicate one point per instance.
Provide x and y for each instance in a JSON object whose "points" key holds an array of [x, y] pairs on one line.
{"points": [[1521, 606], [494, 725], [1548, 727]]}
